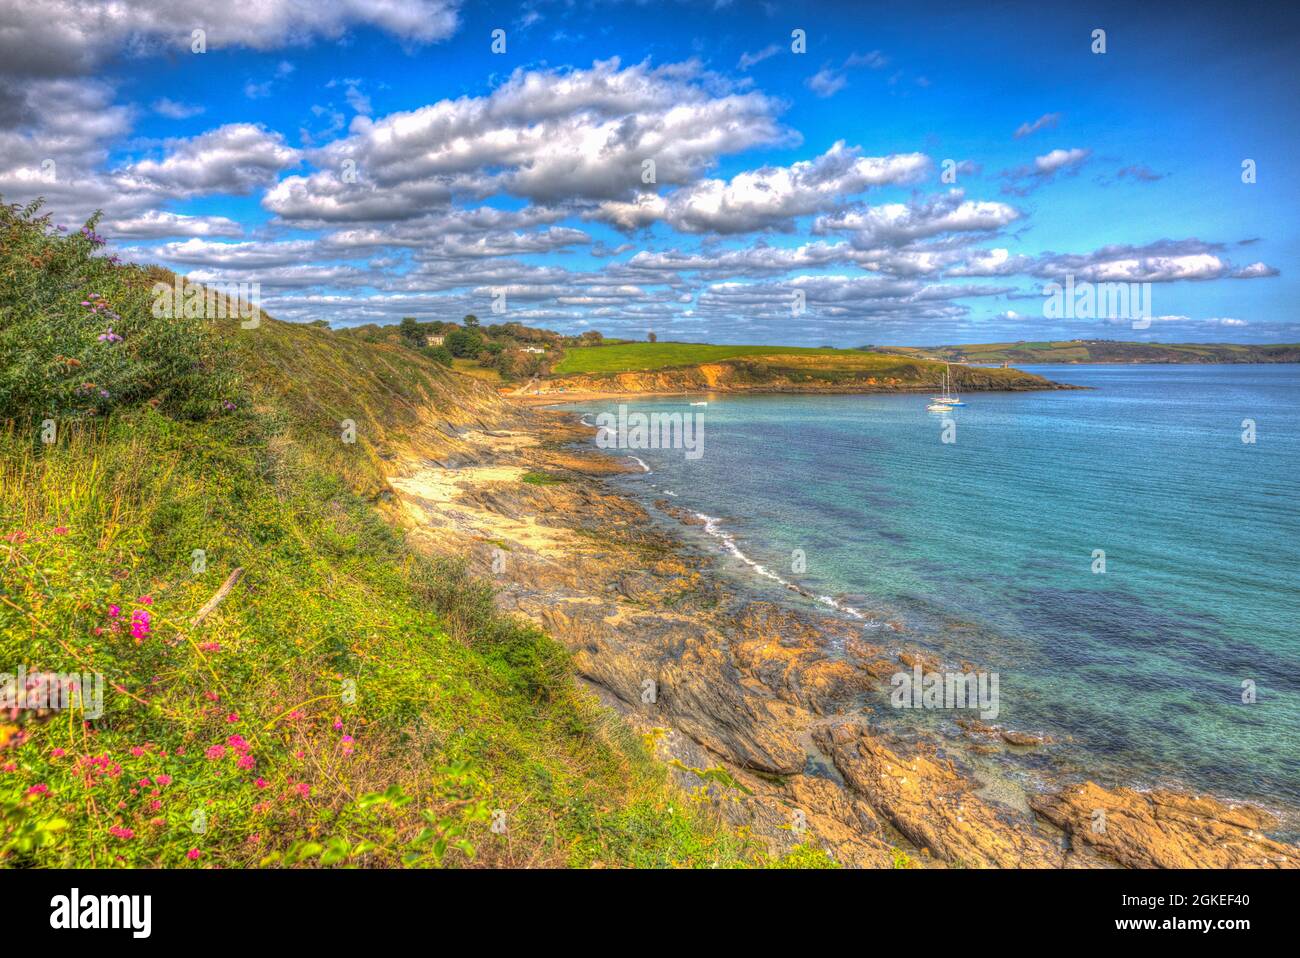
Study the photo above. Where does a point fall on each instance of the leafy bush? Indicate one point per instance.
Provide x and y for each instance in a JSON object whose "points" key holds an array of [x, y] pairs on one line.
{"points": [[78, 338]]}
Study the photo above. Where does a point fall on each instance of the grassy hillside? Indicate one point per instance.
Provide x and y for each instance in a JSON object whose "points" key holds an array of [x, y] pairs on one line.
{"points": [[1104, 351], [642, 357], [350, 701], [684, 367]]}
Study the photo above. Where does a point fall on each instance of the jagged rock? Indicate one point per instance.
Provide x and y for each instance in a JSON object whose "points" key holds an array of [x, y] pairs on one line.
{"points": [[933, 806], [1162, 829]]}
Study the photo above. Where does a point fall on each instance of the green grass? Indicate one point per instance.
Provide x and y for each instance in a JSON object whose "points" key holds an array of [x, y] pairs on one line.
{"points": [[640, 357], [352, 701]]}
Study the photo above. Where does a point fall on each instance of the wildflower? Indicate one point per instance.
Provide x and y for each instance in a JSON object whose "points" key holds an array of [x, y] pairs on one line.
{"points": [[193, 854], [238, 743], [58, 753], [117, 831], [260, 783], [60, 530], [137, 751], [139, 624], [304, 789], [163, 780], [212, 696], [145, 600], [40, 789], [114, 611], [215, 752], [108, 336], [232, 718], [246, 762], [210, 647]]}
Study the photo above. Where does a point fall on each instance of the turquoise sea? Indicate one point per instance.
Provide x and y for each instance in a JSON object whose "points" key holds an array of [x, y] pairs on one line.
{"points": [[983, 550]]}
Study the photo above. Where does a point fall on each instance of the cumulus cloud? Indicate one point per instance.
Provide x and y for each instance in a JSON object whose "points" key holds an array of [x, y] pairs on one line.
{"points": [[771, 196], [548, 136], [156, 224], [896, 224], [1161, 262], [1025, 179], [235, 158], [65, 37]]}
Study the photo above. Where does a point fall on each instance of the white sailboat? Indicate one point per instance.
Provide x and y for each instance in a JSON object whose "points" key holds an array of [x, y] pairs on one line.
{"points": [[949, 397]]}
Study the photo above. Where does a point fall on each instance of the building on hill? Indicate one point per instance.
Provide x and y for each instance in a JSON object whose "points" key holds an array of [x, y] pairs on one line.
{"points": [[534, 349], [433, 339]]}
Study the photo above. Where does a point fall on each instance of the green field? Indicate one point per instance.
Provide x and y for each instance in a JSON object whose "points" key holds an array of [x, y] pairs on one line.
{"points": [[640, 357]]}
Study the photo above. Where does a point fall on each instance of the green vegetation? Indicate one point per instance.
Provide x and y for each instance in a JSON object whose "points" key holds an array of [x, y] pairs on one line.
{"points": [[543, 479], [1103, 351], [350, 701], [641, 357]]}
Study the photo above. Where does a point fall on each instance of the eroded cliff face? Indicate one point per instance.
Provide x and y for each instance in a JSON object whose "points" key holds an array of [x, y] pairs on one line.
{"points": [[789, 374], [745, 699]]}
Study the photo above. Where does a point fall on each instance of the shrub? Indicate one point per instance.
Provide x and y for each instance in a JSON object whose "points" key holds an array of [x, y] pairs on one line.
{"points": [[78, 338]]}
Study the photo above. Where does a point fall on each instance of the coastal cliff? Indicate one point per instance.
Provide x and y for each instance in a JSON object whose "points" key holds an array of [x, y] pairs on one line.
{"points": [[793, 373], [749, 701]]}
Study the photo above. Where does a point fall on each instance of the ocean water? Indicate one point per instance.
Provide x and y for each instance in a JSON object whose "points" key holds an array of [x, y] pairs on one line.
{"points": [[983, 549]]}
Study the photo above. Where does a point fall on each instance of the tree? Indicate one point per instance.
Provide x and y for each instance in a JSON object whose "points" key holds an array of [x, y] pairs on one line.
{"points": [[464, 343], [411, 332], [471, 321], [439, 354], [652, 338]]}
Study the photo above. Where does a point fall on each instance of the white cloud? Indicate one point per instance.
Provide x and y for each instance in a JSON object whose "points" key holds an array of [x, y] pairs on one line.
{"points": [[771, 196]]}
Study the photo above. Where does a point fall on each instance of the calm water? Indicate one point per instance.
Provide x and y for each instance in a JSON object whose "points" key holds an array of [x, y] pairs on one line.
{"points": [[983, 549]]}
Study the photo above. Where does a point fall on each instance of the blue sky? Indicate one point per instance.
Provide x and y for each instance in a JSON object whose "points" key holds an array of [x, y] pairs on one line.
{"points": [[376, 159]]}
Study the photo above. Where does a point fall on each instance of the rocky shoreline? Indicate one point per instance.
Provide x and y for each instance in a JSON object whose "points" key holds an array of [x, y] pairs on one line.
{"points": [[748, 700]]}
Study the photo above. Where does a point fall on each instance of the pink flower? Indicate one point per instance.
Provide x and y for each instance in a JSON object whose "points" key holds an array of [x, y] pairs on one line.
{"points": [[40, 789], [139, 624], [114, 611], [60, 530], [232, 718], [260, 783], [117, 831], [210, 647], [217, 751], [212, 696], [193, 854], [163, 780], [137, 751], [247, 761], [145, 600], [58, 753], [304, 789]]}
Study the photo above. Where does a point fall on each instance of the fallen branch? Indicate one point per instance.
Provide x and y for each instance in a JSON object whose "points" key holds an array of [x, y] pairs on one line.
{"points": [[215, 601]]}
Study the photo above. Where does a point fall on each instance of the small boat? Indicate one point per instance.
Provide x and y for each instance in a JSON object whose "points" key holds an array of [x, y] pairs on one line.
{"points": [[948, 398], [699, 404], [937, 407]]}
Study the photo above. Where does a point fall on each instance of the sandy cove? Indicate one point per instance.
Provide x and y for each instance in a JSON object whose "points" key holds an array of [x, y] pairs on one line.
{"points": [[745, 699]]}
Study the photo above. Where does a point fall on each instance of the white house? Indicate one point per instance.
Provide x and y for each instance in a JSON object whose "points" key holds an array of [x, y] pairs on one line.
{"points": [[433, 339]]}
